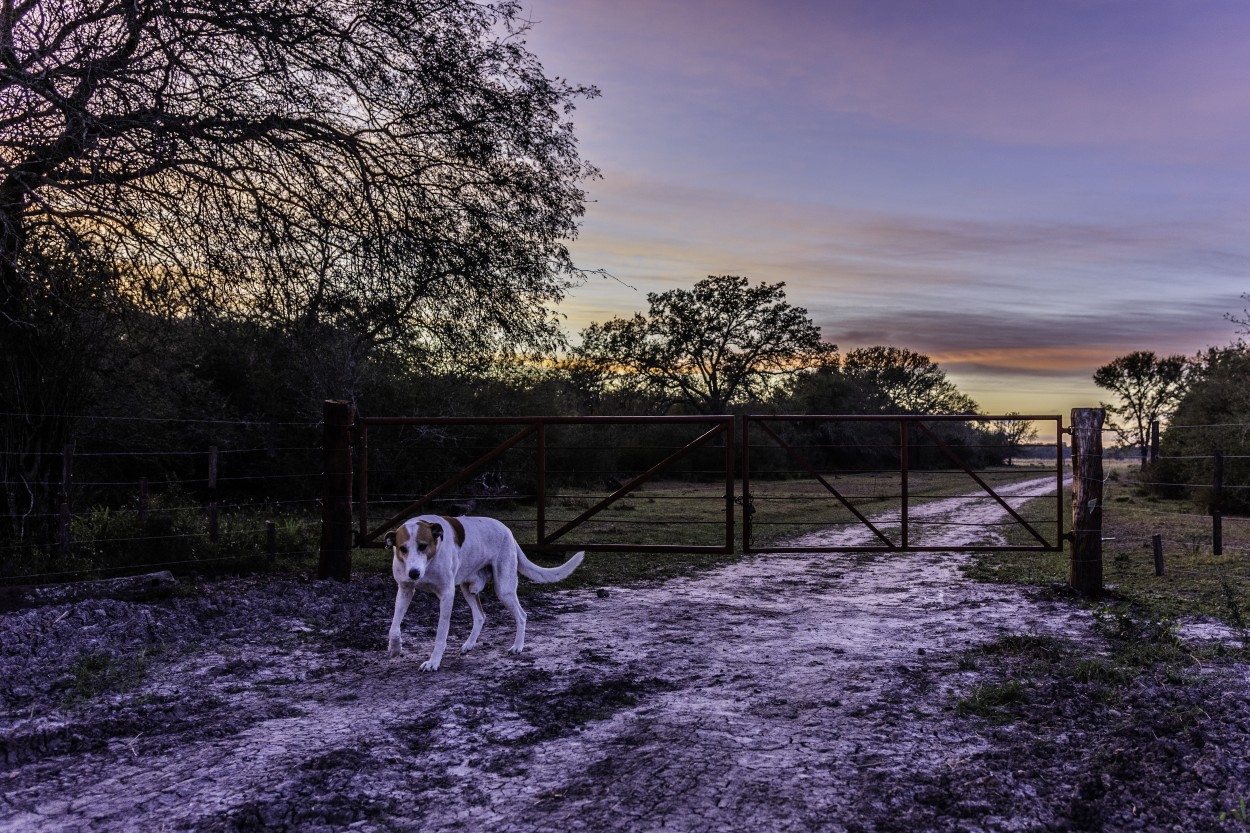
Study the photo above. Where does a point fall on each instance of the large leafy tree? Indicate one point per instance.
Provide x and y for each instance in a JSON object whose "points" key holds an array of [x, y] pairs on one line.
{"points": [[878, 381], [1148, 387], [399, 164], [895, 380], [707, 348], [395, 169], [1213, 414]]}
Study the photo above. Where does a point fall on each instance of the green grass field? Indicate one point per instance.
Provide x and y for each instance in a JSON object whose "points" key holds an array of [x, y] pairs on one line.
{"points": [[1195, 581]]}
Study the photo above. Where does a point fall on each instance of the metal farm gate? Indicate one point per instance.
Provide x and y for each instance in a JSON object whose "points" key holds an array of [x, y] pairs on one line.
{"points": [[628, 483], [564, 475], [875, 474]]}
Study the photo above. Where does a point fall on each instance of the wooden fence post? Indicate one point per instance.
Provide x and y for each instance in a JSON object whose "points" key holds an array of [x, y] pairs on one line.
{"points": [[1085, 564], [1154, 441], [271, 542], [336, 507], [1156, 544], [212, 494], [1217, 504], [67, 482]]}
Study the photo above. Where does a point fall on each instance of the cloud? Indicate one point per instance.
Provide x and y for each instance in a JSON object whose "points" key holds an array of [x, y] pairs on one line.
{"points": [[650, 229], [1158, 78], [1038, 344], [1022, 191]]}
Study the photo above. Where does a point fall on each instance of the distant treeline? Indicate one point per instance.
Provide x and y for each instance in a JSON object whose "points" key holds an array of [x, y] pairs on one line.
{"points": [[170, 393]]}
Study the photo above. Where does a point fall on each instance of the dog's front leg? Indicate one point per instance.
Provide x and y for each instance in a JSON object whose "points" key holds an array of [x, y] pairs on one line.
{"points": [[403, 598], [479, 616], [445, 600]]}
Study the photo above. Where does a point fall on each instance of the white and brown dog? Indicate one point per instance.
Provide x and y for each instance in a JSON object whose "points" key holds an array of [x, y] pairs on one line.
{"points": [[477, 550]]}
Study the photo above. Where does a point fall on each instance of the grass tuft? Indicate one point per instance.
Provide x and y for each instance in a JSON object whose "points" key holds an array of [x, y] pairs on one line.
{"points": [[992, 700]]}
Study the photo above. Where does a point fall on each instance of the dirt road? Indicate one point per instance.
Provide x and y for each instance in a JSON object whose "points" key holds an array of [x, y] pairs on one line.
{"points": [[782, 693]]}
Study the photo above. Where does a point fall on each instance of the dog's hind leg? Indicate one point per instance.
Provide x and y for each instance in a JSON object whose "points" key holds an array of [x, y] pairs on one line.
{"points": [[507, 595], [479, 615], [403, 598]]}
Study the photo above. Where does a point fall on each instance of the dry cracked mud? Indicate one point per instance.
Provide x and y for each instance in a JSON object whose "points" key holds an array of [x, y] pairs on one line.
{"points": [[784, 693]]}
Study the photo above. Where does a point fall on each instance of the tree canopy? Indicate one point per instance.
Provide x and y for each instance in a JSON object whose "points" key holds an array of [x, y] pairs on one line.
{"points": [[393, 164], [709, 347], [1148, 387], [1014, 432], [900, 381], [352, 172], [1212, 415], [878, 380]]}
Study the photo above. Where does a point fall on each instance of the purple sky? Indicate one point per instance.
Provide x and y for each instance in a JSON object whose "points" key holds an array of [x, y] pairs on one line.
{"points": [[1021, 190]]}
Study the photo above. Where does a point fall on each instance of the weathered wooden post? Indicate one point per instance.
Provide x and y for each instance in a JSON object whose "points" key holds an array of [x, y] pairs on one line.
{"points": [[1217, 505], [271, 543], [212, 494], [64, 536], [1085, 564], [143, 503], [336, 506]]}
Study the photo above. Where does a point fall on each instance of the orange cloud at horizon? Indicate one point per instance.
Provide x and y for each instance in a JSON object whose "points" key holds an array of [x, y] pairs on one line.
{"points": [[1058, 359]]}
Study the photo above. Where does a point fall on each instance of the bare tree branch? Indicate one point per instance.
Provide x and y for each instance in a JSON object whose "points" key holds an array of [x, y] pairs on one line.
{"points": [[398, 171]]}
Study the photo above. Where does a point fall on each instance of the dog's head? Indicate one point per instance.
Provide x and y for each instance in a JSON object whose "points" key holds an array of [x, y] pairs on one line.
{"points": [[415, 545]]}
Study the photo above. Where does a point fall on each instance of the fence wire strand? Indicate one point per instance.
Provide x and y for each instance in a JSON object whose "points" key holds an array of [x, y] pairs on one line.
{"points": [[1178, 545]]}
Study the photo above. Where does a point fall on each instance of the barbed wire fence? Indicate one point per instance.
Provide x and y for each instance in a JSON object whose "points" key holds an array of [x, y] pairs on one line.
{"points": [[1180, 527], [251, 494], [247, 496]]}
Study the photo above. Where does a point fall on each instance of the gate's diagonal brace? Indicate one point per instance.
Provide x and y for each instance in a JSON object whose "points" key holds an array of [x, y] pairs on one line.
{"points": [[794, 455], [988, 490], [454, 480], [634, 484]]}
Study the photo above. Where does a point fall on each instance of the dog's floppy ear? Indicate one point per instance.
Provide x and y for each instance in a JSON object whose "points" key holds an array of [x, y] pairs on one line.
{"points": [[436, 530], [390, 539]]}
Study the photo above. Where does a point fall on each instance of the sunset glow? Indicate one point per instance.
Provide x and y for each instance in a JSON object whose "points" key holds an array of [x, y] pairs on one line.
{"points": [[1022, 191]]}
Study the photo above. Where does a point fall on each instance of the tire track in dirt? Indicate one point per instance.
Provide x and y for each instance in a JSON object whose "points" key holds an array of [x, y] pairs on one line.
{"points": [[796, 677], [779, 692]]}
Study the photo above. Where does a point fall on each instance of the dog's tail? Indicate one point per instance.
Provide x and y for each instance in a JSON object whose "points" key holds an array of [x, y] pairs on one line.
{"points": [[546, 575]]}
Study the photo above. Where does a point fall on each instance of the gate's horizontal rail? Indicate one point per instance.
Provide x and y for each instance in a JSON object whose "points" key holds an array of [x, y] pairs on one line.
{"points": [[543, 420]]}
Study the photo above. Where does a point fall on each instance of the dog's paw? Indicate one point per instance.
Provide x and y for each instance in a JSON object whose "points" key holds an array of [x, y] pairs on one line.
{"points": [[394, 647], [429, 665], [516, 649], [468, 646]]}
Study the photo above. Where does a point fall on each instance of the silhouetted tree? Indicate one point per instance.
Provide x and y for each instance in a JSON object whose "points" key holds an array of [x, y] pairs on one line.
{"points": [[1014, 432], [894, 380], [1242, 321], [394, 169], [706, 348], [1148, 386], [874, 381], [1211, 415]]}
